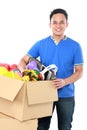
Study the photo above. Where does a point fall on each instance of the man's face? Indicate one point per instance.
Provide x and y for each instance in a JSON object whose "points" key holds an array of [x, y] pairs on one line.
{"points": [[58, 24]]}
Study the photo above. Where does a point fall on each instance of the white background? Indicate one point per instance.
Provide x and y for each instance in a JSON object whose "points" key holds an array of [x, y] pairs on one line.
{"points": [[23, 22]]}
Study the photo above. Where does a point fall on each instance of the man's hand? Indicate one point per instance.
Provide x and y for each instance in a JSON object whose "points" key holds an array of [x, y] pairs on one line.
{"points": [[59, 83]]}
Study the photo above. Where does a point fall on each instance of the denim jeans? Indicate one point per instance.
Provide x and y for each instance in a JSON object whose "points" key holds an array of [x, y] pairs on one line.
{"points": [[64, 110]]}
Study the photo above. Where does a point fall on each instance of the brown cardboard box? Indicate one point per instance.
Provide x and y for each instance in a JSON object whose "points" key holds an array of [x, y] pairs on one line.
{"points": [[26, 100], [7, 123]]}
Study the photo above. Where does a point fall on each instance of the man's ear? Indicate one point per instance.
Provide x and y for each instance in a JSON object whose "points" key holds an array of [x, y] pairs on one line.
{"points": [[67, 24], [49, 25]]}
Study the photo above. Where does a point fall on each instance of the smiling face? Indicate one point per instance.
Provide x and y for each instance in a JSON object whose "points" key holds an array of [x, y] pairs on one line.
{"points": [[58, 24]]}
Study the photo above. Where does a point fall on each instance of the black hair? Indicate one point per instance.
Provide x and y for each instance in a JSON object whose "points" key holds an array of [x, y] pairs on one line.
{"points": [[56, 11]]}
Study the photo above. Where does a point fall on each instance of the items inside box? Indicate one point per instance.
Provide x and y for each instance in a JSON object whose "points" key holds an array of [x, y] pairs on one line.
{"points": [[48, 72], [34, 71]]}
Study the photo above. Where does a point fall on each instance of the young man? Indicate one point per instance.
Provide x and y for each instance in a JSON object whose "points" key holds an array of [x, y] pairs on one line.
{"points": [[66, 54]]}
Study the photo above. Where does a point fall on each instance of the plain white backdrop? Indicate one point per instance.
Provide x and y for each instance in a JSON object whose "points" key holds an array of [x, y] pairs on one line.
{"points": [[23, 22]]}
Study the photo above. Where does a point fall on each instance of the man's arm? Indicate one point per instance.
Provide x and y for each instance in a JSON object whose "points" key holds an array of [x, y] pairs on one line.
{"points": [[23, 62], [59, 82]]}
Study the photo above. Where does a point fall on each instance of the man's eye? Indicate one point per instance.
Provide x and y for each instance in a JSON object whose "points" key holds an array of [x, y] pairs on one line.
{"points": [[54, 22], [62, 22]]}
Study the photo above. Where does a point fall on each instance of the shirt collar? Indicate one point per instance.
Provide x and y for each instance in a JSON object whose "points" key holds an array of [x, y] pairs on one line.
{"points": [[64, 38]]}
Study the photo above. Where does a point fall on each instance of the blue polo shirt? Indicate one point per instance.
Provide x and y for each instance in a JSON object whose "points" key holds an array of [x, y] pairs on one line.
{"points": [[65, 55]]}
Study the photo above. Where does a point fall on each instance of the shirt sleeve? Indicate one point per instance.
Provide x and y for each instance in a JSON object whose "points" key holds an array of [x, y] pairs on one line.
{"points": [[78, 55], [34, 50]]}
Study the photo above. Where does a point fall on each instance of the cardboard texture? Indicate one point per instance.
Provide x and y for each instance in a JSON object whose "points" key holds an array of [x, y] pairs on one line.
{"points": [[26, 100], [7, 123]]}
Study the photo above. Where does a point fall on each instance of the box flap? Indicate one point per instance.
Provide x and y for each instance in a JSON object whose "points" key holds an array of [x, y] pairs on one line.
{"points": [[9, 87], [9, 123], [41, 92]]}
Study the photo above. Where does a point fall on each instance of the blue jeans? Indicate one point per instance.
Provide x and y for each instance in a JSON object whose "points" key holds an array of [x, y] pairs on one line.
{"points": [[65, 110]]}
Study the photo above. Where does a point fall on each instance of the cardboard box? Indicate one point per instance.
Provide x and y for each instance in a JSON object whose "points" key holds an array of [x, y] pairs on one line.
{"points": [[7, 123], [26, 100]]}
